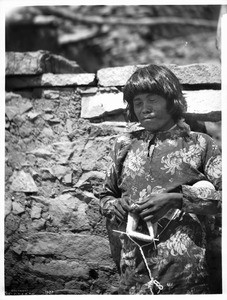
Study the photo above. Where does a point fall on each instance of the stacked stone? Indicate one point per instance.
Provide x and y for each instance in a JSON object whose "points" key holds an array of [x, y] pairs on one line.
{"points": [[60, 127]]}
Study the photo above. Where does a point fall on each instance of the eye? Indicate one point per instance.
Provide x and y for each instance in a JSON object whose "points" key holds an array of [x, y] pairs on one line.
{"points": [[152, 99], [137, 103]]}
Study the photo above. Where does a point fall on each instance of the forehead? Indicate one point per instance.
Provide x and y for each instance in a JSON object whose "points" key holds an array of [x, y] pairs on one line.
{"points": [[145, 96]]}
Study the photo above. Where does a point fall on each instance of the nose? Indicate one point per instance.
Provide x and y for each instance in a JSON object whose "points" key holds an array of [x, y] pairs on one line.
{"points": [[147, 107]]}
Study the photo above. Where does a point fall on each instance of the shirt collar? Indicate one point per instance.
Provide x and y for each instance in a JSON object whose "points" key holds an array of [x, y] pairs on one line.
{"points": [[179, 129]]}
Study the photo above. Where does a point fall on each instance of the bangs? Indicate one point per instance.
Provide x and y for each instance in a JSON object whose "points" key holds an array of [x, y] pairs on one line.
{"points": [[141, 86], [148, 80]]}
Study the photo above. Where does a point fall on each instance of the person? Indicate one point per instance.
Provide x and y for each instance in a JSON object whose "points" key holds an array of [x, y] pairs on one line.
{"points": [[155, 165]]}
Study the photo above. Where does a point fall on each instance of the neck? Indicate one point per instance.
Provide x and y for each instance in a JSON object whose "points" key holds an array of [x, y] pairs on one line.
{"points": [[170, 126]]}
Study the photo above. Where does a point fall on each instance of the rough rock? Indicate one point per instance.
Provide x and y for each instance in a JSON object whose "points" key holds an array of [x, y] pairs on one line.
{"points": [[41, 152], [51, 94], [93, 212], [68, 212], [36, 212], [47, 117], [67, 178], [87, 177], [38, 224], [8, 206], [100, 104], [62, 268], [19, 246], [77, 286], [59, 171], [23, 182], [89, 249], [12, 111], [68, 151], [69, 125], [12, 223], [39, 199], [95, 154], [12, 97], [25, 107], [46, 174], [47, 132], [32, 115], [17, 249], [27, 63], [17, 208]]}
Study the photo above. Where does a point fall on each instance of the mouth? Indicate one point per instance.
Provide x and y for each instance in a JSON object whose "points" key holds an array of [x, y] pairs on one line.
{"points": [[147, 118]]}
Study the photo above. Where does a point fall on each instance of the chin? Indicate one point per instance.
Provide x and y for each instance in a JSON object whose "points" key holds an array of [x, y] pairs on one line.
{"points": [[150, 128]]}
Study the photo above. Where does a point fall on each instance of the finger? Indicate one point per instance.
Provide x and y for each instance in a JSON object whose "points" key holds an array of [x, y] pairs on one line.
{"points": [[142, 201], [127, 200], [146, 213], [145, 205], [125, 206], [119, 209], [133, 208], [145, 199], [118, 215], [152, 219], [157, 216]]}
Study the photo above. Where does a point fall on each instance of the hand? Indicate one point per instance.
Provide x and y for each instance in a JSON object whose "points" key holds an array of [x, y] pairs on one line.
{"points": [[155, 206], [121, 208]]}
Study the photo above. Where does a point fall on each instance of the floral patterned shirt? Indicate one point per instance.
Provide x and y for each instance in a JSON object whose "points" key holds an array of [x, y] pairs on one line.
{"points": [[171, 161]]}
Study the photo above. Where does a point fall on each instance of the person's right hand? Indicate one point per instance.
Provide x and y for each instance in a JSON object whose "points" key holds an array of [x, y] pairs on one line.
{"points": [[121, 208]]}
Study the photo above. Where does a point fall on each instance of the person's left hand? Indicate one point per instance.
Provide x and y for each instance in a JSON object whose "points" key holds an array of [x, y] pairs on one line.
{"points": [[155, 206]]}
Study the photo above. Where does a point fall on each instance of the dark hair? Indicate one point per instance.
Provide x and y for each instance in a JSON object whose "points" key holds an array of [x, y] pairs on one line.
{"points": [[157, 80]]}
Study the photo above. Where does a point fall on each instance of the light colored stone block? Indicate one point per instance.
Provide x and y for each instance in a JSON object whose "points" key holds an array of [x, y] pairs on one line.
{"points": [[203, 101], [195, 74], [115, 76], [50, 80], [100, 104], [188, 75], [199, 102], [67, 79]]}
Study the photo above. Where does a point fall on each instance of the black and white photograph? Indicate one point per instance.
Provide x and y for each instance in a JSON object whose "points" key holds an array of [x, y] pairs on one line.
{"points": [[112, 149]]}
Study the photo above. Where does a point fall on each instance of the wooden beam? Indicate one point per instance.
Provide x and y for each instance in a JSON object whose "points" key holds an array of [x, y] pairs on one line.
{"points": [[152, 21]]}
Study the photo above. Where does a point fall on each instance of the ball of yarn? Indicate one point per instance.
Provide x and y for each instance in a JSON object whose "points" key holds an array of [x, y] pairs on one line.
{"points": [[204, 184]]}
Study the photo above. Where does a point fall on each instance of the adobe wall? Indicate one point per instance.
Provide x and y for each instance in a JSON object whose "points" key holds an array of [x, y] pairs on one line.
{"points": [[60, 127]]}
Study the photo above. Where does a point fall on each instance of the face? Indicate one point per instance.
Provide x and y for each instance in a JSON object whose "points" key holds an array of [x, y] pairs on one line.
{"points": [[151, 112]]}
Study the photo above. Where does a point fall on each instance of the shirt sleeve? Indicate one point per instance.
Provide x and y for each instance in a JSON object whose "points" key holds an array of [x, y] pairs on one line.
{"points": [[204, 201], [111, 193]]}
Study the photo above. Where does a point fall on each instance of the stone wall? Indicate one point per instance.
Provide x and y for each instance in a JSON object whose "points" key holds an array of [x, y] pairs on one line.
{"points": [[60, 127]]}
